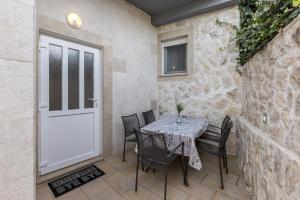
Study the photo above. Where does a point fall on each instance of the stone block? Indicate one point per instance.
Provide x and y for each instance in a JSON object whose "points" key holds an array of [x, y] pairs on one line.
{"points": [[17, 149], [16, 89], [17, 30]]}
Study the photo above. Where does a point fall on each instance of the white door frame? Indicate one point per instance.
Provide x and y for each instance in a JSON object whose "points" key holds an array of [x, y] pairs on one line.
{"points": [[43, 100]]}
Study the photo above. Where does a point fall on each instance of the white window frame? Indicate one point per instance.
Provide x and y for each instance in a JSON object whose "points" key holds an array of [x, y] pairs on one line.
{"points": [[169, 43]]}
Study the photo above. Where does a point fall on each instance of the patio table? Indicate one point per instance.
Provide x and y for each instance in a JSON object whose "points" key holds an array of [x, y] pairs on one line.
{"points": [[186, 131]]}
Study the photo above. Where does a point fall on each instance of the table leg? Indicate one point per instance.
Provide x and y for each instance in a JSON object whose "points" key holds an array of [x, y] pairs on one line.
{"points": [[186, 183]]}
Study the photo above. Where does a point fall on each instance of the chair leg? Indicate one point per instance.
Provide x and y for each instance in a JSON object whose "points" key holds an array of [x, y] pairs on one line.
{"points": [[183, 168], [224, 161], [124, 150], [166, 182], [186, 183], [226, 165], [220, 166], [137, 172]]}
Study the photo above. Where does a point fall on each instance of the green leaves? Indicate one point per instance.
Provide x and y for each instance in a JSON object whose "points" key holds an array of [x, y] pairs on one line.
{"points": [[260, 23], [179, 107], [296, 3]]}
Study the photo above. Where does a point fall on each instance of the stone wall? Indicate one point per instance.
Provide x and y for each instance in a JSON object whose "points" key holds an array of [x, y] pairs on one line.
{"points": [[212, 89], [17, 75], [269, 153]]}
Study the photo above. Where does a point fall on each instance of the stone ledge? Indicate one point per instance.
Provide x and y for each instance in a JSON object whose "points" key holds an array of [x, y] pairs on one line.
{"points": [[258, 132]]}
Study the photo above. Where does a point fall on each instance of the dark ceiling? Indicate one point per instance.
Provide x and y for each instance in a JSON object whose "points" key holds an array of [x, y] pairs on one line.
{"points": [[168, 11], [153, 7]]}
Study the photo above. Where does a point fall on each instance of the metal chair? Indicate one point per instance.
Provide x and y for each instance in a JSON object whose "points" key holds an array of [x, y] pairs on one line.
{"points": [[214, 132], [149, 117], [130, 123], [217, 148], [153, 153]]}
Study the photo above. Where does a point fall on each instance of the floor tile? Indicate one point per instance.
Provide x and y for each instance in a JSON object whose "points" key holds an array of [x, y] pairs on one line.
{"points": [[108, 194], [76, 194], [93, 188], [43, 192], [147, 180], [173, 193], [121, 183], [196, 175], [107, 168], [191, 197], [241, 181], [140, 194], [214, 180], [198, 190], [220, 196], [235, 191], [126, 168]]}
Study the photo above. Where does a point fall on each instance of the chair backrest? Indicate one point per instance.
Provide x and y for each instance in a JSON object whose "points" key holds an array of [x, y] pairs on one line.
{"points": [[149, 117], [152, 147], [225, 122], [130, 123], [225, 135]]}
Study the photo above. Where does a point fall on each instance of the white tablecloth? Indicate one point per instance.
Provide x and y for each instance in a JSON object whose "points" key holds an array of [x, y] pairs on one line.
{"points": [[175, 133]]}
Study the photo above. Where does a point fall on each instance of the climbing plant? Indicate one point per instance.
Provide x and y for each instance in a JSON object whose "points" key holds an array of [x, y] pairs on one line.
{"points": [[260, 22]]}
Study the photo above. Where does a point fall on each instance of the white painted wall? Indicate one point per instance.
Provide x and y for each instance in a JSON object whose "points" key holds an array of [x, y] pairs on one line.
{"points": [[17, 75], [133, 42]]}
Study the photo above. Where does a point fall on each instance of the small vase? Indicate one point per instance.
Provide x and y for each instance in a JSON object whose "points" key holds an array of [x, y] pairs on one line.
{"points": [[179, 119]]}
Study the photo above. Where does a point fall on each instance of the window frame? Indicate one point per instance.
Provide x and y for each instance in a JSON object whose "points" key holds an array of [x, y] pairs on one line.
{"points": [[170, 43]]}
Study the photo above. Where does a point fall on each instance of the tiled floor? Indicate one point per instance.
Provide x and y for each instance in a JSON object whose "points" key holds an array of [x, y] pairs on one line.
{"points": [[118, 183]]}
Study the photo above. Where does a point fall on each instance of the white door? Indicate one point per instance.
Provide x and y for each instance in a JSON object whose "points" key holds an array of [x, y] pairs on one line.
{"points": [[70, 103]]}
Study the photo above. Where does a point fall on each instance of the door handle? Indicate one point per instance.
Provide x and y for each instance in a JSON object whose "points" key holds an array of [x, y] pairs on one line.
{"points": [[92, 99]]}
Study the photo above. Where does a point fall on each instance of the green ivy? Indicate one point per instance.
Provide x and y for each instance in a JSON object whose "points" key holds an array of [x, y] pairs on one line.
{"points": [[260, 23]]}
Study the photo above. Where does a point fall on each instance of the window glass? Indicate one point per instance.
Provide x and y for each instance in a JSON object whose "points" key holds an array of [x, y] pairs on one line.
{"points": [[88, 80], [73, 79], [55, 77], [175, 59]]}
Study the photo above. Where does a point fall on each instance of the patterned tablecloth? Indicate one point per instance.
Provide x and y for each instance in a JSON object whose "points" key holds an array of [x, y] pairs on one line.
{"points": [[186, 132]]}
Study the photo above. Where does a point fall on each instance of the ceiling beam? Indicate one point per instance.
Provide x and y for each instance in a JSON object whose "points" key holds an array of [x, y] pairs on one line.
{"points": [[190, 10]]}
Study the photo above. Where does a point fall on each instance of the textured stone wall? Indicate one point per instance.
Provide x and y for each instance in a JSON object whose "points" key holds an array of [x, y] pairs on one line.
{"points": [[213, 89], [17, 75], [269, 153]]}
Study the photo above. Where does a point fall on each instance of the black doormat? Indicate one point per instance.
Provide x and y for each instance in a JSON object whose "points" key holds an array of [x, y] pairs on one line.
{"points": [[68, 183]]}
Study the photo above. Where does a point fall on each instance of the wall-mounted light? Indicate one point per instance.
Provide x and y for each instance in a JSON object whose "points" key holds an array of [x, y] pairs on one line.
{"points": [[265, 117], [74, 20]]}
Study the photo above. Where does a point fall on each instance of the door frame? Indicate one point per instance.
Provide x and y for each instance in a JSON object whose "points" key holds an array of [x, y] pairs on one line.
{"points": [[41, 73]]}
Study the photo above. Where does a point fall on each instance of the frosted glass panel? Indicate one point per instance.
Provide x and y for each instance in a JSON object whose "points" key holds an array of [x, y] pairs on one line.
{"points": [[55, 77], [175, 59], [88, 80], [73, 79]]}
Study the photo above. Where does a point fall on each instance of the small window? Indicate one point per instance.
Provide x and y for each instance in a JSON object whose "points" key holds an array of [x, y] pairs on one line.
{"points": [[174, 56]]}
